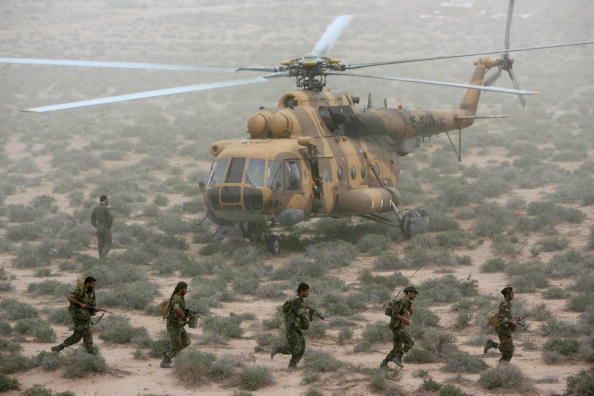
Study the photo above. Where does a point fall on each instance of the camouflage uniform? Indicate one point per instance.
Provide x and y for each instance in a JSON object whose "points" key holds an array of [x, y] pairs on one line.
{"points": [[102, 220], [504, 331], [296, 321], [402, 341], [81, 317], [175, 327]]}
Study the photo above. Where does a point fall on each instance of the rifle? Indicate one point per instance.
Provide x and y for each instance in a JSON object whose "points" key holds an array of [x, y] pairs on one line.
{"points": [[313, 312], [520, 321], [192, 318], [93, 307], [192, 313]]}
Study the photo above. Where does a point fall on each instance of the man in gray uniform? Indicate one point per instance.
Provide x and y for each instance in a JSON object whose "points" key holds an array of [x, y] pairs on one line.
{"points": [[102, 220]]}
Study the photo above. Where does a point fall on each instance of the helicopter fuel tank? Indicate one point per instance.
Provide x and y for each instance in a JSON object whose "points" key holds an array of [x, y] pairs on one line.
{"points": [[367, 200]]}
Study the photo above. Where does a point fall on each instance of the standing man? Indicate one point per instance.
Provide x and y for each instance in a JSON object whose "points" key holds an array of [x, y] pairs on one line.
{"points": [[504, 328], [82, 307], [400, 312], [102, 220], [297, 318], [176, 320]]}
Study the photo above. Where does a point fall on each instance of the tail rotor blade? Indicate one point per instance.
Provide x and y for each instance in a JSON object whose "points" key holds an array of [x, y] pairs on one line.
{"points": [[516, 84], [493, 77], [510, 12]]}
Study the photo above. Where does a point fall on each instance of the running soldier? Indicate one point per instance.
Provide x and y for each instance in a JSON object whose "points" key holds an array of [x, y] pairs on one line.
{"points": [[505, 325], [82, 307], [176, 320], [102, 220], [297, 317], [400, 311]]}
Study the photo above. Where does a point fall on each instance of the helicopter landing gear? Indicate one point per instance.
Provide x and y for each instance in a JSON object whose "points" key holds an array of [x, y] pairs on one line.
{"points": [[273, 244], [259, 232], [414, 222]]}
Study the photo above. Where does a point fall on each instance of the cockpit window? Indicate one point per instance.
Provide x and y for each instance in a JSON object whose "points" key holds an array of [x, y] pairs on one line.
{"points": [[255, 172], [292, 175], [275, 176], [217, 171], [235, 173]]}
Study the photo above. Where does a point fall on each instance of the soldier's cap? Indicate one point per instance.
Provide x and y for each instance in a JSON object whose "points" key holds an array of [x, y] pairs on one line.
{"points": [[411, 289], [506, 290], [181, 285]]}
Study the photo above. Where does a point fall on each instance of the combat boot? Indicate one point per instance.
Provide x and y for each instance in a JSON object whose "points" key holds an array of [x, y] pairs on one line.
{"points": [[384, 364], [57, 348], [274, 351], [489, 344], [292, 366], [166, 362], [398, 360]]}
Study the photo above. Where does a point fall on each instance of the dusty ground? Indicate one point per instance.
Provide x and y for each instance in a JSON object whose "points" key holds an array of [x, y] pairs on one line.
{"points": [[137, 26]]}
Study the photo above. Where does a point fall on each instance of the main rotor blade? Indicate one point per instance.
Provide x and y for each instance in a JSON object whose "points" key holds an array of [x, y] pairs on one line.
{"points": [[490, 80], [159, 92], [132, 65], [479, 87], [331, 34], [516, 84], [361, 65], [510, 11]]}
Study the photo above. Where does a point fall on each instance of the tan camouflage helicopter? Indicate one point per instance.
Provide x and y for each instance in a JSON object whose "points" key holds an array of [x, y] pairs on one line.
{"points": [[317, 153]]}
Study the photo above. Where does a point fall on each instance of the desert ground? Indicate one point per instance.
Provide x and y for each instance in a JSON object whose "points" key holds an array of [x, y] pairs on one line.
{"points": [[518, 210]]}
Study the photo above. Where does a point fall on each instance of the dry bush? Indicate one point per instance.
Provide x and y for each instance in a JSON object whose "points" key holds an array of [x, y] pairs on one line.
{"points": [[80, 364], [191, 367], [505, 377], [257, 377]]}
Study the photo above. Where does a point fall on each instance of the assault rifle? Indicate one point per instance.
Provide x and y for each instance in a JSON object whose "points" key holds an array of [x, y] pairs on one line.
{"points": [[520, 321], [192, 313], [313, 312], [93, 307]]}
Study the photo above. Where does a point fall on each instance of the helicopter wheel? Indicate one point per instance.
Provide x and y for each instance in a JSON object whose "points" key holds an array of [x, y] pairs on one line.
{"points": [[273, 244], [414, 222]]}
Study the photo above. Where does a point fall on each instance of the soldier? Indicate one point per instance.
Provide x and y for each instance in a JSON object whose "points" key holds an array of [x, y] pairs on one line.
{"points": [[400, 312], [504, 328], [82, 307], [176, 320], [102, 220], [297, 318]]}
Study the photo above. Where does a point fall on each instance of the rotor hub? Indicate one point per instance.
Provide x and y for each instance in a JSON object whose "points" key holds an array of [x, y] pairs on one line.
{"points": [[310, 71]]}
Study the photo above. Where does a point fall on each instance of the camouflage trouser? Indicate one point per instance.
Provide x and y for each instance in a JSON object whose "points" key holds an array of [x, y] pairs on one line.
{"points": [[179, 340], [295, 346], [81, 330], [103, 242], [402, 343], [506, 344]]}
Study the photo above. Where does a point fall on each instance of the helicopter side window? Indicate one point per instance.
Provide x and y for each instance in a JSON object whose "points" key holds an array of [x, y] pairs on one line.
{"points": [[363, 172], [275, 176], [339, 173], [326, 173], [217, 171], [255, 172], [292, 175], [353, 172], [376, 168], [235, 172]]}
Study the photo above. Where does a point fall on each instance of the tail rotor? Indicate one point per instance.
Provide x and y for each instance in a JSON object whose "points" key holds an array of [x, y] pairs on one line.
{"points": [[505, 62]]}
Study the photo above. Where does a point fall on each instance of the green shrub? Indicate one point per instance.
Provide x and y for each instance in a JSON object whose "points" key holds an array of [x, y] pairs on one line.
{"points": [[438, 342], [581, 384], [554, 293], [551, 244], [377, 332], [6, 345], [158, 347], [39, 329], [321, 361], [388, 262], [463, 320], [14, 362], [571, 263], [493, 265], [450, 390], [430, 385], [313, 392], [317, 329], [446, 289], [135, 295], [23, 232], [227, 327], [5, 328], [564, 346], [257, 377], [463, 362], [191, 367], [332, 254], [373, 244], [49, 361], [80, 364], [17, 310], [555, 327], [49, 287], [344, 334], [224, 367], [418, 355], [117, 329], [8, 384], [581, 302], [504, 376]]}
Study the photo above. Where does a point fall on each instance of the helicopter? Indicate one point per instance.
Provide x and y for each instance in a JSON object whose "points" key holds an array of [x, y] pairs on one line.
{"points": [[317, 153]]}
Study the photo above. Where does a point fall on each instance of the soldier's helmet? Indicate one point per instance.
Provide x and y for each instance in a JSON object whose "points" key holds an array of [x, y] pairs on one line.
{"points": [[411, 289], [506, 290]]}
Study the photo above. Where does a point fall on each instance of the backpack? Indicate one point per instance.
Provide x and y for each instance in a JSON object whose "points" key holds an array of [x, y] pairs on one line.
{"points": [[165, 308], [493, 319]]}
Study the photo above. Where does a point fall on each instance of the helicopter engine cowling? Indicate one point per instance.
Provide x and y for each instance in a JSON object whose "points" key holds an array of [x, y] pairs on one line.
{"points": [[259, 124], [366, 200]]}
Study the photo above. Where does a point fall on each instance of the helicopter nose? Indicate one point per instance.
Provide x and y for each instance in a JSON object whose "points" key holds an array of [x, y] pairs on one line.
{"points": [[236, 199]]}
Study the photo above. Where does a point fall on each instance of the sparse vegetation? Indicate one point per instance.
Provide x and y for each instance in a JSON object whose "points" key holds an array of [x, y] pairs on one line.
{"points": [[80, 364], [505, 377], [255, 377]]}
